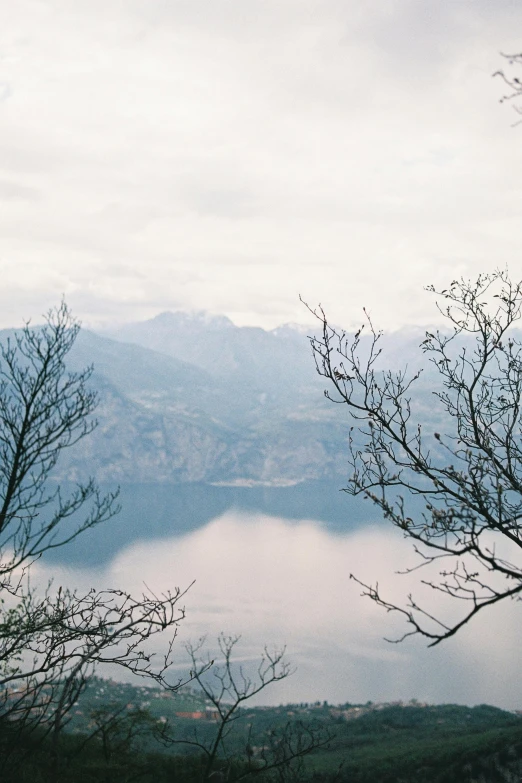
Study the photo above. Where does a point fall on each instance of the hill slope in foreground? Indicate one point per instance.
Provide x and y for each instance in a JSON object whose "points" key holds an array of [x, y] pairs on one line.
{"points": [[370, 742]]}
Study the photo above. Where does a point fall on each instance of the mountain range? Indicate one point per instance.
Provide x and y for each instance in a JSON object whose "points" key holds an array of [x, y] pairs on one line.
{"points": [[194, 398]]}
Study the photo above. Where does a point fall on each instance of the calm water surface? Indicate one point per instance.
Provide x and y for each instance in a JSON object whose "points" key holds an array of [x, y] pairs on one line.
{"points": [[273, 565]]}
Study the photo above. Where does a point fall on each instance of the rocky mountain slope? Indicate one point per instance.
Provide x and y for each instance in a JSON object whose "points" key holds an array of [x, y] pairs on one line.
{"points": [[217, 404], [194, 398]]}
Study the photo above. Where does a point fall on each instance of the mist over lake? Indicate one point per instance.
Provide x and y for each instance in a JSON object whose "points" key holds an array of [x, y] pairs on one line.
{"points": [[273, 565]]}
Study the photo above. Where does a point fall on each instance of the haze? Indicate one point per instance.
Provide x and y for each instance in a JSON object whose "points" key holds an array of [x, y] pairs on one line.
{"points": [[229, 156]]}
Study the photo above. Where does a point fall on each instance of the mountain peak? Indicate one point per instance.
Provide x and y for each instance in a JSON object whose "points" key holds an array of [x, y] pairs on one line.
{"points": [[196, 317], [301, 329]]}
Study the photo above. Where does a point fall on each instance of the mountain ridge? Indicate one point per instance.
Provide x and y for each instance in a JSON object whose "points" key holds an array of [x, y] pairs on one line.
{"points": [[194, 398]]}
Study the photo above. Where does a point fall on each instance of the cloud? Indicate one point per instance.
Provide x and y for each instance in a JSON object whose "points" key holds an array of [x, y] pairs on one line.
{"points": [[334, 144], [12, 190], [5, 91]]}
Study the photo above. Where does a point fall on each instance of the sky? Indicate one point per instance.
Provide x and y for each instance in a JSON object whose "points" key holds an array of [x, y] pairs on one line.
{"points": [[231, 155]]}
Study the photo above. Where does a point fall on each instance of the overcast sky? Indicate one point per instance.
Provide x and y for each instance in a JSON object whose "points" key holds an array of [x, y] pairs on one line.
{"points": [[229, 155]]}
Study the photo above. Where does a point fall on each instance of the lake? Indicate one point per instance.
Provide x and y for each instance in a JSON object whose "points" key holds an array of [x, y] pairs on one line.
{"points": [[273, 565]]}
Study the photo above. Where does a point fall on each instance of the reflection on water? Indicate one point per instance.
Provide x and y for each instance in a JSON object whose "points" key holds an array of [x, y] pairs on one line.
{"points": [[280, 582], [151, 511]]}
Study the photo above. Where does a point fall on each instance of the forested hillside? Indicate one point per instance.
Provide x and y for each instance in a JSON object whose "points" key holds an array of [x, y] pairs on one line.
{"points": [[389, 743]]}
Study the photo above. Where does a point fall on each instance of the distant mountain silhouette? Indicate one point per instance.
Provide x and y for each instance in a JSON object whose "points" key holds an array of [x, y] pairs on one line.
{"points": [[194, 398]]}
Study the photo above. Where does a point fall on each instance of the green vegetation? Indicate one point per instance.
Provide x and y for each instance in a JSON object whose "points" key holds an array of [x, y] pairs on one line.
{"points": [[431, 743], [372, 742]]}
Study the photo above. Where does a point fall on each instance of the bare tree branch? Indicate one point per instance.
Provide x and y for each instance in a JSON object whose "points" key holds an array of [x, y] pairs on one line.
{"points": [[228, 686], [50, 643], [512, 82], [470, 477]]}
